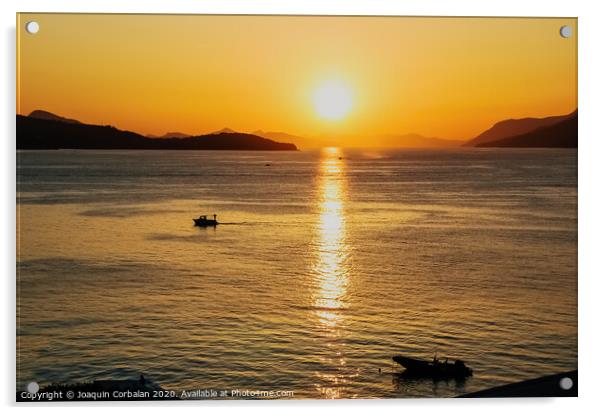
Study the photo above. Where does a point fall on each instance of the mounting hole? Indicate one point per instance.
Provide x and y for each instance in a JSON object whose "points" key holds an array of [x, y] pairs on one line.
{"points": [[566, 31], [32, 27], [33, 387], [566, 383]]}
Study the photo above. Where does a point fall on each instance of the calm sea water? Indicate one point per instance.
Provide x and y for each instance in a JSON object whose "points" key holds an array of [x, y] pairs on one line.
{"points": [[327, 263]]}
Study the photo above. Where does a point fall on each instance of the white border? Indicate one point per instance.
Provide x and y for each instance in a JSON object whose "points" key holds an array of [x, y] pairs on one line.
{"points": [[590, 175], [351, 7]]}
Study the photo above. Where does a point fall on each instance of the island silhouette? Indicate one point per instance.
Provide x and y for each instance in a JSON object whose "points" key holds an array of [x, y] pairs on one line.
{"points": [[42, 130]]}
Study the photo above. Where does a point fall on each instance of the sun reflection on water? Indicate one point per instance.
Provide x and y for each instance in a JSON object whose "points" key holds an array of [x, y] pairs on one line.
{"points": [[331, 250], [331, 268]]}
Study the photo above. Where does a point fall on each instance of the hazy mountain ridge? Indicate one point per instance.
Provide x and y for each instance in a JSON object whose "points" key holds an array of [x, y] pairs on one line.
{"points": [[225, 130], [175, 134], [413, 140]]}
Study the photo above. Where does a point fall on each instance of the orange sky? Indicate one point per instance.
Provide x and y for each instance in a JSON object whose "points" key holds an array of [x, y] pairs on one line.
{"points": [[442, 77]]}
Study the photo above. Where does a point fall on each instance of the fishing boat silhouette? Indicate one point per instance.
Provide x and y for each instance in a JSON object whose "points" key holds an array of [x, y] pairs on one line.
{"points": [[203, 222]]}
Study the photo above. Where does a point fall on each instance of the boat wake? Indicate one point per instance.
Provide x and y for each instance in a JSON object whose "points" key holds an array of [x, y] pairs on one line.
{"points": [[244, 223]]}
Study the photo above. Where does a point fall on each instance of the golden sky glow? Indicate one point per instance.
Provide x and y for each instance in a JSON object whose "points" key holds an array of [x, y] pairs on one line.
{"points": [[450, 78]]}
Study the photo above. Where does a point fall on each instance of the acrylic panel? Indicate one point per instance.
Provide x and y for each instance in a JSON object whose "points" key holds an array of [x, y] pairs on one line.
{"points": [[295, 207]]}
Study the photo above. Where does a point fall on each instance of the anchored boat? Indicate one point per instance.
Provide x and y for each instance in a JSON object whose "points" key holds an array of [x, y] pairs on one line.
{"points": [[435, 368], [203, 222]]}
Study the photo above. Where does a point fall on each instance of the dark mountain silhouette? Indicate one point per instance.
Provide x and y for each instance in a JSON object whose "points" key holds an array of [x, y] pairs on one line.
{"points": [[561, 134], [37, 133], [45, 115], [514, 127]]}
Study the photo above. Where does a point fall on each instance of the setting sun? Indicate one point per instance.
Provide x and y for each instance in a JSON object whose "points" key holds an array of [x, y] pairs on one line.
{"points": [[333, 100], [362, 75]]}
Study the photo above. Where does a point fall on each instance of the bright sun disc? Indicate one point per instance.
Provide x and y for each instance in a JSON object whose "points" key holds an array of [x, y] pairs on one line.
{"points": [[333, 100]]}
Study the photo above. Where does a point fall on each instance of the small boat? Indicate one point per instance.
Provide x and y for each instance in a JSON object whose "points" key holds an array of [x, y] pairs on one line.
{"points": [[435, 368], [203, 222]]}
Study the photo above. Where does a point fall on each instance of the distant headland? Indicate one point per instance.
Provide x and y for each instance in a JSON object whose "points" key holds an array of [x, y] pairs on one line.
{"points": [[556, 131]]}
